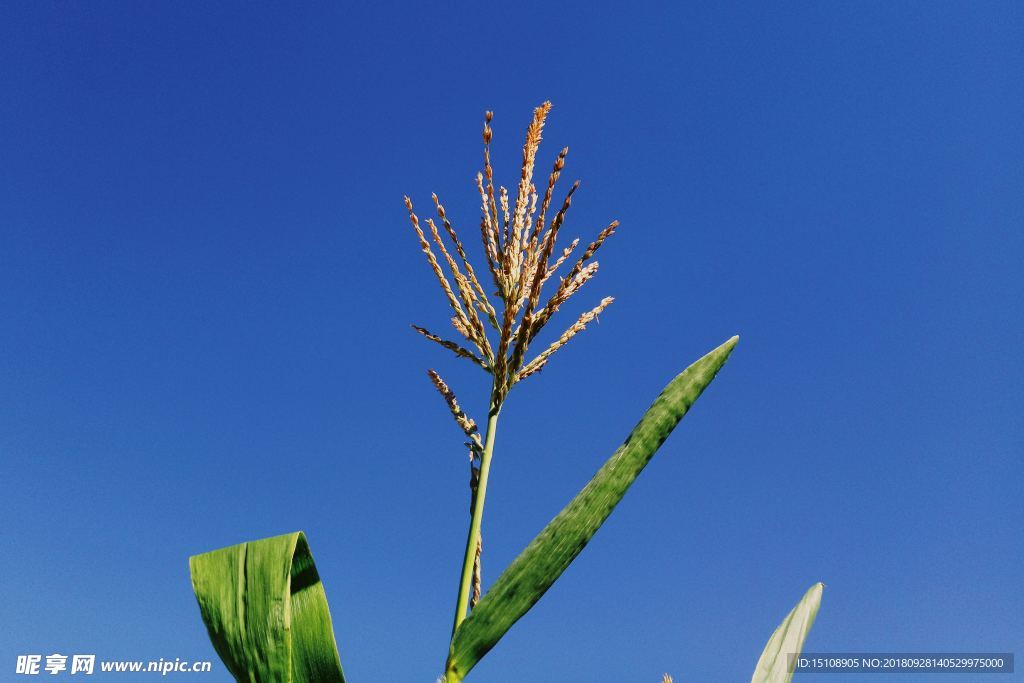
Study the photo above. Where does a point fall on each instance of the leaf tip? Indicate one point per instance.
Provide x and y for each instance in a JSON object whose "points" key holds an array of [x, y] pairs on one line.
{"points": [[813, 596], [726, 348]]}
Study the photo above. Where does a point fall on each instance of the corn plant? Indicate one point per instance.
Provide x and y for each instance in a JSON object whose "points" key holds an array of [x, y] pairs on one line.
{"points": [[263, 603]]}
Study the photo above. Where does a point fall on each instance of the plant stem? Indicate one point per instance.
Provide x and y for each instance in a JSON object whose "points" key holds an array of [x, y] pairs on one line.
{"points": [[462, 604]]}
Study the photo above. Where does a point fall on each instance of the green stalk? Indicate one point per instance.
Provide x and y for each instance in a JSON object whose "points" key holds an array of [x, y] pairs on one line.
{"points": [[462, 604]]}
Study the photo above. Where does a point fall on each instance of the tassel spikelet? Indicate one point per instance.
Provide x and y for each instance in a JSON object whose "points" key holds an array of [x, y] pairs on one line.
{"points": [[581, 324], [465, 422], [477, 577], [452, 346], [566, 253], [482, 302], [432, 260]]}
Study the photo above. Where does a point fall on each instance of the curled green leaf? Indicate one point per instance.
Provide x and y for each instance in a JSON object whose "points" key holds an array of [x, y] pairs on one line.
{"points": [[266, 611]]}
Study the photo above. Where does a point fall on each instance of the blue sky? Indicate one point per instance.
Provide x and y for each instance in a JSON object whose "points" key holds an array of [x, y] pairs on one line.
{"points": [[207, 277]]}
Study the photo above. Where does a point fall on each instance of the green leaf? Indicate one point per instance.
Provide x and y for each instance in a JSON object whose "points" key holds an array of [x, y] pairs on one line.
{"points": [[531, 574], [788, 639], [266, 611]]}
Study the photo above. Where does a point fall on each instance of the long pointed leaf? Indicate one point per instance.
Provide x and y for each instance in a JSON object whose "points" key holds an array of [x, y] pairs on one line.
{"points": [[266, 611], [774, 666], [530, 575]]}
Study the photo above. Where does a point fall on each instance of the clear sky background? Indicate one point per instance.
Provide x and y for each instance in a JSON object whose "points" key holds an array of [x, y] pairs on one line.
{"points": [[207, 278]]}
